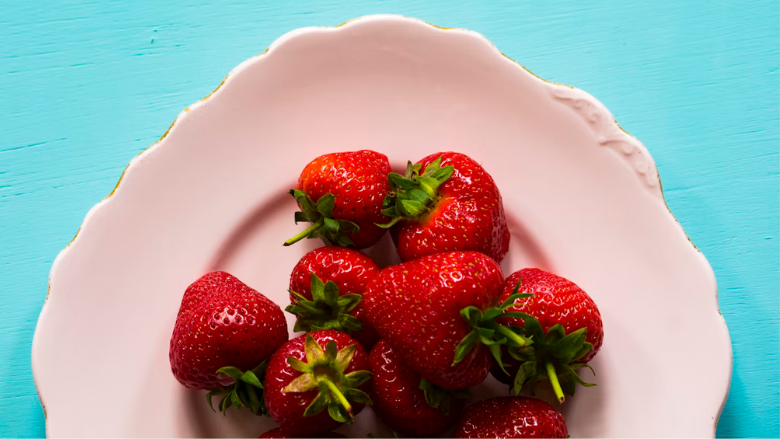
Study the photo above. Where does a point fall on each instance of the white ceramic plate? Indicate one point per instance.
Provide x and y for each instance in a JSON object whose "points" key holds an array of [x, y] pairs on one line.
{"points": [[582, 197]]}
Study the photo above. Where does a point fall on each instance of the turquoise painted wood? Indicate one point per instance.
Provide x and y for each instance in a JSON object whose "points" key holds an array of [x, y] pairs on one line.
{"points": [[86, 85]]}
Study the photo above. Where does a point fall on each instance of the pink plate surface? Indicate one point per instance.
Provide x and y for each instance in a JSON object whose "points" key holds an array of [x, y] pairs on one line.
{"points": [[582, 197]]}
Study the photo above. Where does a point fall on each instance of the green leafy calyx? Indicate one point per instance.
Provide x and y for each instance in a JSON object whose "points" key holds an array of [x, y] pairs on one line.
{"points": [[246, 390], [324, 371], [553, 357], [412, 195], [439, 398], [326, 309], [332, 231], [485, 330]]}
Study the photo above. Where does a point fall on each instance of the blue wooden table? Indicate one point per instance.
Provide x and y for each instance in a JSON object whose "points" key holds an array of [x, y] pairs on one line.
{"points": [[85, 86]]}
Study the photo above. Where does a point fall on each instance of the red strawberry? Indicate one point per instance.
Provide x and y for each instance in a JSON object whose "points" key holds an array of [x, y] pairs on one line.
{"points": [[224, 332], [308, 390], [566, 327], [405, 402], [341, 194], [336, 304], [278, 433], [511, 417], [446, 202], [438, 313]]}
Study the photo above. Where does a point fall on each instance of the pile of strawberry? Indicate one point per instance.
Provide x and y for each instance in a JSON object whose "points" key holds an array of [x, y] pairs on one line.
{"points": [[410, 339]]}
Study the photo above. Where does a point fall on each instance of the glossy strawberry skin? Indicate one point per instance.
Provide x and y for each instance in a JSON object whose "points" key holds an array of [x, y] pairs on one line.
{"points": [[278, 433], [468, 216], [398, 399], [287, 408], [359, 182], [415, 307], [223, 322], [511, 417], [556, 300], [349, 269]]}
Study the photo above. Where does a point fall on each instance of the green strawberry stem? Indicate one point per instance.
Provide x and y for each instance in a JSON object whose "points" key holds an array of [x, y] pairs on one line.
{"points": [[511, 335], [553, 357], [309, 230], [556, 385], [326, 309], [324, 371], [246, 390], [339, 396], [413, 194], [331, 230], [485, 330]]}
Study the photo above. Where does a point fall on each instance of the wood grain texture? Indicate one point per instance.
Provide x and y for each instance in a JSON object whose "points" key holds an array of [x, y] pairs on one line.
{"points": [[86, 85]]}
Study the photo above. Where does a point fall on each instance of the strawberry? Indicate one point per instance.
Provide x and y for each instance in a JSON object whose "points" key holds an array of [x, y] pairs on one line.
{"points": [[278, 433], [438, 312], [511, 417], [334, 304], [565, 325], [308, 390], [223, 334], [341, 194], [446, 202], [405, 402]]}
